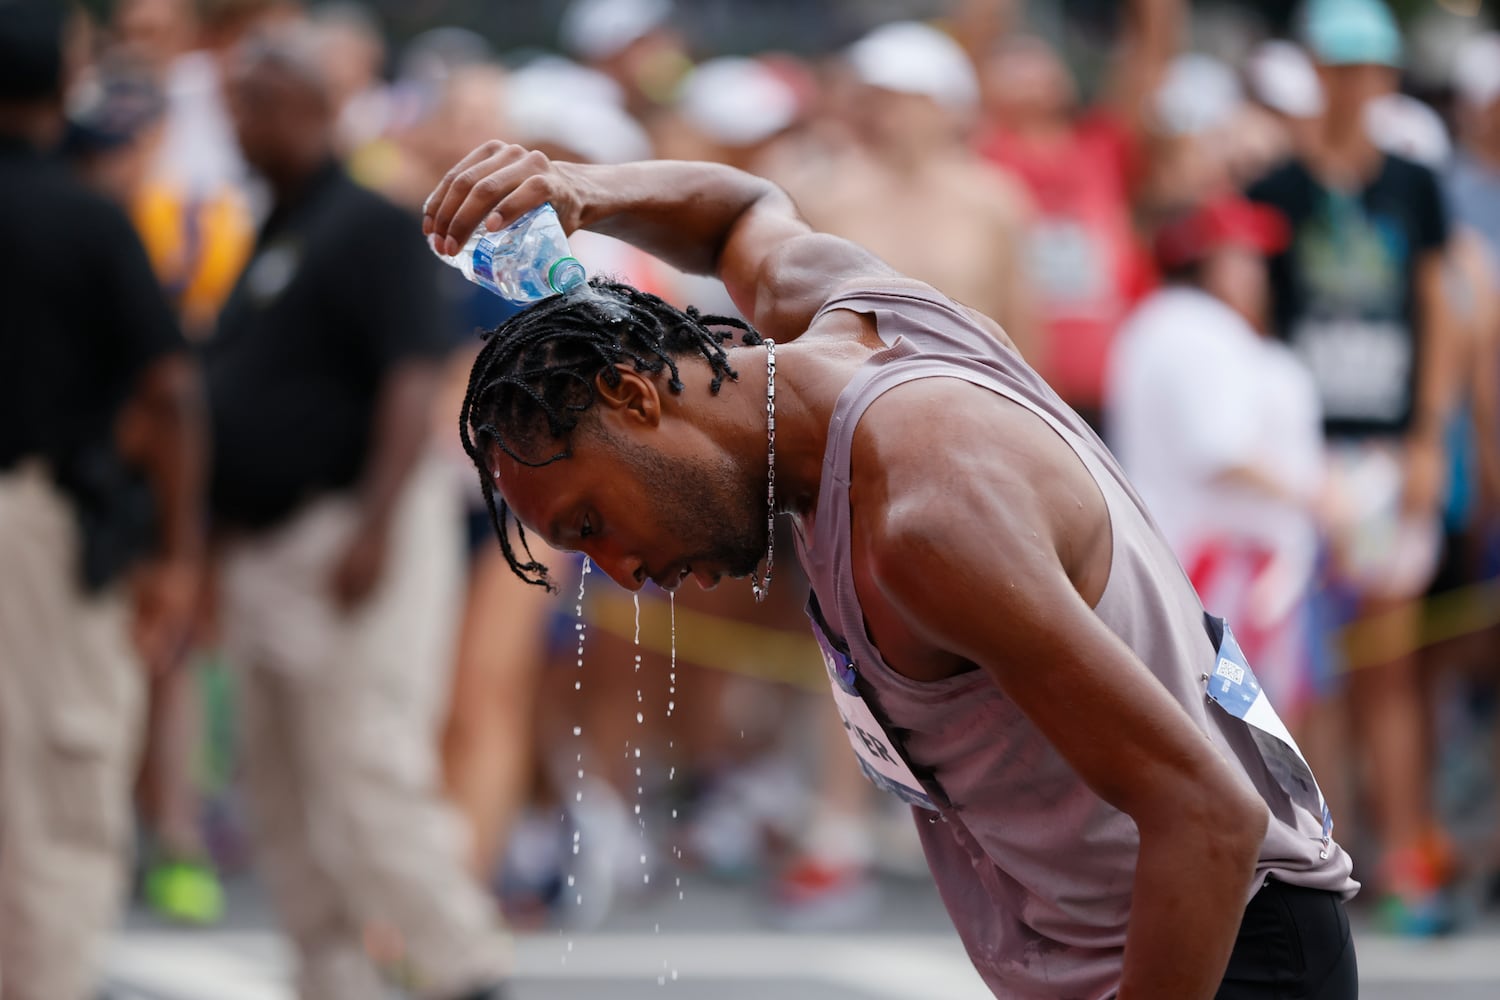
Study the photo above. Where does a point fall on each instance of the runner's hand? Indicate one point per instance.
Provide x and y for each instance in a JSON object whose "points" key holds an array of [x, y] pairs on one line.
{"points": [[495, 184]]}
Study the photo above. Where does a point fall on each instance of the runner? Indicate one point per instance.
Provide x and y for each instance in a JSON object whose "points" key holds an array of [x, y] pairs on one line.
{"points": [[1108, 803]]}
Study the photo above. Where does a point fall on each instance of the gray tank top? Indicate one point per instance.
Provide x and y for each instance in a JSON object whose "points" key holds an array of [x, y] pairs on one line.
{"points": [[1034, 868]]}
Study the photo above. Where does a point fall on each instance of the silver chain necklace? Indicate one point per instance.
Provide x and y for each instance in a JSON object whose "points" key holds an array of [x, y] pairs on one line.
{"points": [[762, 586]]}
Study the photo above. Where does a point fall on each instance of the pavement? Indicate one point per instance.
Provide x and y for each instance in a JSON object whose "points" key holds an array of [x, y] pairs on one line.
{"points": [[719, 942]]}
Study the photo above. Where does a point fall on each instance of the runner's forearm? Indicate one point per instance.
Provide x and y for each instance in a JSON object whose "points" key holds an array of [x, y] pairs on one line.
{"points": [[1191, 884], [679, 211]]}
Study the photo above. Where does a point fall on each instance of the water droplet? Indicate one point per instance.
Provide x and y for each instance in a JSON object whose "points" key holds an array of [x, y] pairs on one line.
{"points": [[637, 808], [577, 730], [639, 718], [577, 796], [572, 879]]}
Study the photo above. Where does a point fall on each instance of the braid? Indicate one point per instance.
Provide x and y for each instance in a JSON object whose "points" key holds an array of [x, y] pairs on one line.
{"points": [[534, 380]]}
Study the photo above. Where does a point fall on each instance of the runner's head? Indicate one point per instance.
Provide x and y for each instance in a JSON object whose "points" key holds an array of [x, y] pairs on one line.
{"points": [[579, 418]]}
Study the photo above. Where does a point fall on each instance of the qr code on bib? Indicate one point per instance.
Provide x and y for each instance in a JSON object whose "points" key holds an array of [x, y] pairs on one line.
{"points": [[1230, 671]]}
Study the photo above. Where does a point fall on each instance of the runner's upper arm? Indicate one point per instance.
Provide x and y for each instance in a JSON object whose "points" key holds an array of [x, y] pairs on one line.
{"points": [[972, 552], [779, 271]]}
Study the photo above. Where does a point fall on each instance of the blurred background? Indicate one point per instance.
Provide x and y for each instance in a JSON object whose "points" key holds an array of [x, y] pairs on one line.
{"points": [[248, 582]]}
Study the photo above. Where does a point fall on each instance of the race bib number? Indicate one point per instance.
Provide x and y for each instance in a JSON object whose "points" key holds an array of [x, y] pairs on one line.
{"points": [[1233, 687], [879, 756]]}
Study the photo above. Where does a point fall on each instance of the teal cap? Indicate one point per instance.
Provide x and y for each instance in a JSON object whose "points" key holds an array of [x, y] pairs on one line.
{"points": [[1352, 33]]}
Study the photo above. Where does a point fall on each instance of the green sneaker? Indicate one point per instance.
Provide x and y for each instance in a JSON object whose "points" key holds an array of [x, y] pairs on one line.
{"points": [[185, 892]]}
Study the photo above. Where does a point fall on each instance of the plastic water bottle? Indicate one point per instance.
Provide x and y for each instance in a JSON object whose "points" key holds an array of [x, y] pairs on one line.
{"points": [[523, 263]]}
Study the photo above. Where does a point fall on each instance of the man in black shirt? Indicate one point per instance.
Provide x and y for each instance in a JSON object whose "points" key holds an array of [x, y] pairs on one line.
{"points": [[1359, 296], [101, 457], [342, 571]]}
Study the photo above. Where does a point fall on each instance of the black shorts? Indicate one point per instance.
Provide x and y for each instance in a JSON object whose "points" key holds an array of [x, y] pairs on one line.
{"points": [[1294, 944]]}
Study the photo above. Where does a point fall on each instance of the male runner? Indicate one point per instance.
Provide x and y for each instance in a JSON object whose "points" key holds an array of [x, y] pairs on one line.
{"points": [[1013, 645]]}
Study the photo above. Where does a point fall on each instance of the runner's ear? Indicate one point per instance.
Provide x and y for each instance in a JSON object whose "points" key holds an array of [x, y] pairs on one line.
{"points": [[633, 395]]}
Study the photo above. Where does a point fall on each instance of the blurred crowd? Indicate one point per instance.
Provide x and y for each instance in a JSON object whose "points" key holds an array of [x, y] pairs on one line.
{"points": [[249, 593]]}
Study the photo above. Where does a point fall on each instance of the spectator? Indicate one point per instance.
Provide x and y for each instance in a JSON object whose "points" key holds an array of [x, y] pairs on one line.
{"points": [[1084, 258], [113, 137], [198, 155], [342, 559], [1359, 296], [1474, 181], [946, 219], [1474, 191], [99, 420], [1218, 428], [635, 43]]}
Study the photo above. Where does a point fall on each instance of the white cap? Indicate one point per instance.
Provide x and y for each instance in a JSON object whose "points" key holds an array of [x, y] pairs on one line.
{"points": [[559, 103], [1404, 126], [587, 86], [737, 102], [598, 29], [914, 58], [1282, 78], [1198, 94], [1476, 70]]}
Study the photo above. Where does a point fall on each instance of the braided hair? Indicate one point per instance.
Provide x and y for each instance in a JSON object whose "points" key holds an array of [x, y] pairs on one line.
{"points": [[535, 379]]}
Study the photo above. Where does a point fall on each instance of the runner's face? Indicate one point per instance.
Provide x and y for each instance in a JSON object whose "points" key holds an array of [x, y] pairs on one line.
{"points": [[645, 505]]}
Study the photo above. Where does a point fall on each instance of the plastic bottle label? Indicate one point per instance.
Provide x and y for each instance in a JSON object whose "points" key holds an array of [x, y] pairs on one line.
{"points": [[484, 263]]}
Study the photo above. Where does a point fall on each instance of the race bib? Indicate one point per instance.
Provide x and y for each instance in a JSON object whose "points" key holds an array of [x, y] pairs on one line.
{"points": [[879, 756], [1233, 687]]}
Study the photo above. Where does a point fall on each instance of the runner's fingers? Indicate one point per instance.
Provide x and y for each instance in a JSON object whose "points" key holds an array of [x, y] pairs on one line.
{"points": [[488, 178], [435, 199], [506, 192]]}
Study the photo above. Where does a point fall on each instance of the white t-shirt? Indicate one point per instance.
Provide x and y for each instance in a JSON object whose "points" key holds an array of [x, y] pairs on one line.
{"points": [[1193, 391]]}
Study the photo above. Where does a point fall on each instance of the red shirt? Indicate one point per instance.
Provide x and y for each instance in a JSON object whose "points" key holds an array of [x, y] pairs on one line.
{"points": [[1086, 264]]}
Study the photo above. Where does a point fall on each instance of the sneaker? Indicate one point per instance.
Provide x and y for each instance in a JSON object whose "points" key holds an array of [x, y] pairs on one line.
{"points": [[1428, 915], [1416, 901], [814, 895], [185, 892]]}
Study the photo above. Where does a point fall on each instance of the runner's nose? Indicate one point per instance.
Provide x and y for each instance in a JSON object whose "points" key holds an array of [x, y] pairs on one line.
{"points": [[628, 571]]}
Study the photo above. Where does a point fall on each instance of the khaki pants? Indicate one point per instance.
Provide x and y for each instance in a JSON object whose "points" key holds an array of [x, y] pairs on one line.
{"points": [[340, 722], [71, 713]]}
